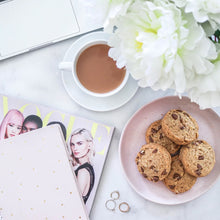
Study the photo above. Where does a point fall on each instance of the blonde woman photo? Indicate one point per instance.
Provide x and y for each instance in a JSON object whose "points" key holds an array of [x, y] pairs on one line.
{"points": [[81, 148], [11, 124]]}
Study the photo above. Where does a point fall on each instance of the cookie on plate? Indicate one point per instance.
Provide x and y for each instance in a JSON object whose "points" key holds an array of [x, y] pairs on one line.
{"points": [[180, 127], [154, 134], [179, 181], [198, 158], [153, 162]]}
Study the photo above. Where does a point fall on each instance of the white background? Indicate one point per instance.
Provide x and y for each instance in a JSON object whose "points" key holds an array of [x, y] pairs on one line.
{"points": [[35, 77]]}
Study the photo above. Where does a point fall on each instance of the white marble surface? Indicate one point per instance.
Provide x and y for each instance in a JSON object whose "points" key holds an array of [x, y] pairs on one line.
{"points": [[35, 76]]}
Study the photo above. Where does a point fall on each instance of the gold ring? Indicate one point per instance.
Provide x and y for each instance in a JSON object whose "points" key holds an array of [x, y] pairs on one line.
{"points": [[124, 207], [115, 195], [108, 204]]}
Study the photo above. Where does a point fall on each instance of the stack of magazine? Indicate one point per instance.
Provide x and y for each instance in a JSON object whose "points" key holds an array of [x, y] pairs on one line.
{"points": [[33, 164]]}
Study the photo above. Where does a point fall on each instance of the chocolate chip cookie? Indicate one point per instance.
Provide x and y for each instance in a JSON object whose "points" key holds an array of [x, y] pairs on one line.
{"points": [[154, 134], [180, 127], [198, 158], [153, 162], [179, 181]]}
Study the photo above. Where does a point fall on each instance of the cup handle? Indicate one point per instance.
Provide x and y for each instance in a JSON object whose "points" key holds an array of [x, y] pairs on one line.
{"points": [[66, 66]]}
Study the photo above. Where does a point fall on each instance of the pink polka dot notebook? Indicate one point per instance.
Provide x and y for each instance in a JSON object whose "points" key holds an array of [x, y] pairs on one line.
{"points": [[37, 179]]}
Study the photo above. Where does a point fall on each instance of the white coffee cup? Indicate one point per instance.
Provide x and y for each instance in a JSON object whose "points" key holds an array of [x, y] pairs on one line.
{"points": [[79, 46]]}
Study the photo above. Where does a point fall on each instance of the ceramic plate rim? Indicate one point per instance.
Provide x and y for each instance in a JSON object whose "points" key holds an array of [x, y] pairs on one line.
{"points": [[122, 165]]}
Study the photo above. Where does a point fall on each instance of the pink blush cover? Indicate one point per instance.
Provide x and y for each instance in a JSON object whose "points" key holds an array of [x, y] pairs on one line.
{"points": [[37, 180]]}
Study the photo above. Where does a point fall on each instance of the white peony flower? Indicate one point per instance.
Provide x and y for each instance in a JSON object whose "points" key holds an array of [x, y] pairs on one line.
{"points": [[160, 46], [205, 89], [115, 9], [202, 10]]}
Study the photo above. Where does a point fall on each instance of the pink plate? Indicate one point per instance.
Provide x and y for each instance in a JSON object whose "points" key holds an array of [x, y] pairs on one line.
{"points": [[133, 137]]}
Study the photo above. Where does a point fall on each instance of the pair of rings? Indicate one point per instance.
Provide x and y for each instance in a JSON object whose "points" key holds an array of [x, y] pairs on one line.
{"points": [[111, 203]]}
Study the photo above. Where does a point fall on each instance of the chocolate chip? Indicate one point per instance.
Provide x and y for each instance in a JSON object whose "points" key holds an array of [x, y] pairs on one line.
{"points": [[174, 116], [142, 152], [153, 130], [181, 120], [152, 167], [186, 114], [176, 176], [142, 169], [200, 157], [199, 141], [151, 139], [161, 136], [198, 172], [182, 127], [160, 126], [164, 172], [155, 151], [178, 110], [172, 186], [199, 167], [137, 162], [144, 175], [150, 161], [156, 178]]}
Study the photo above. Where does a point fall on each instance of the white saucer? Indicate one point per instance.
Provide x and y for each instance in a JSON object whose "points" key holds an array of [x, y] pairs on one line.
{"points": [[90, 102]]}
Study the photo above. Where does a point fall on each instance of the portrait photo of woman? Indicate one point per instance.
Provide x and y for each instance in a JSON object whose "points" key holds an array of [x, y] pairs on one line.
{"points": [[11, 124], [31, 122], [81, 148]]}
